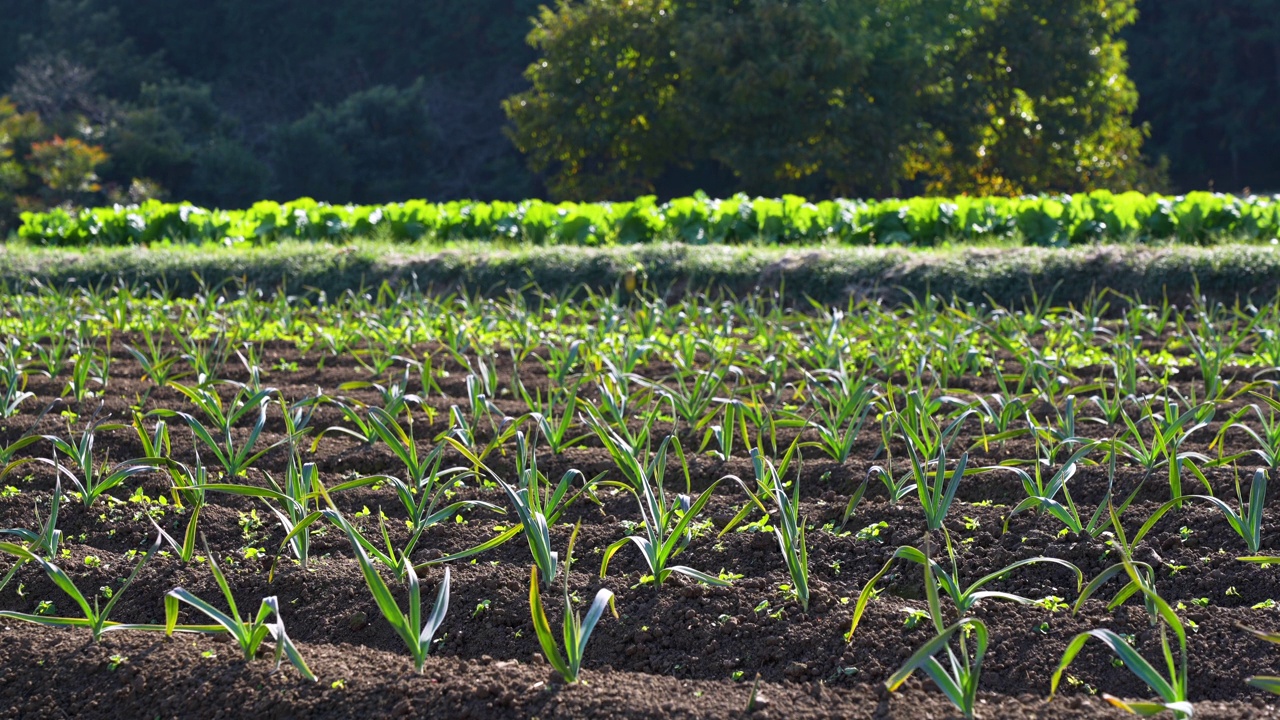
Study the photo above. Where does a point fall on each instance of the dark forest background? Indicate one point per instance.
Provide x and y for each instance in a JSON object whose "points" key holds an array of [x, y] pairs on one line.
{"points": [[225, 102]]}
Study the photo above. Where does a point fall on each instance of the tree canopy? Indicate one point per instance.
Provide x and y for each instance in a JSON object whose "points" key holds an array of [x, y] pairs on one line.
{"points": [[831, 97]]}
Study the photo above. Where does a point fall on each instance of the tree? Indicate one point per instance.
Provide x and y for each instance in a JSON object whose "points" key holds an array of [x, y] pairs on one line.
{"points": [[1035, 98], [40, 169], [623, 92], [17, 132], [801, 97], [602, 118], [829, 97], [178, 137], [376, 146]]}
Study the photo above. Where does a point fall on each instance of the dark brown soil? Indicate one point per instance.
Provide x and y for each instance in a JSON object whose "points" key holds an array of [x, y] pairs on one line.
{"points": [[681, 650]]}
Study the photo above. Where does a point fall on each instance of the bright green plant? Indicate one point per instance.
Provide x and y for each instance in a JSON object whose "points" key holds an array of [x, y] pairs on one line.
{"points": [[724, 434], [91, 480], [999, 411], [936, 495], [535, 502], [409, 626], [561, 361], [45, 539], [484, 416], [958, 680], [788, 527], [249, 635], [1171, 690], [1212, 346], [89, 365], [1037, 220], [1266, 437], [666, 525], [468, 428], [1111, 407], [1128, 590], [577, 630], [1044, 495], [395, 396], [158, 366], [964, 598], [388, 555], [13, 383], [364, 430], [620, 404], [1246, 521], [205, 356], [95, 617], [156, 445], [53, 351], [234, 457], [420, 470], [1060, 432], [427, 487], [692, 395], [666, 534], [1170, 429], [533, 494], [301, 482], [917, 424], [841, 405], [896, 488], [553, 413], [1120, 542]]}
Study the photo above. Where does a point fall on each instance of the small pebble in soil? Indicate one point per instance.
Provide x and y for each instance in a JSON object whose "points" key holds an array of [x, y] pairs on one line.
{"points": [[796, 670]]}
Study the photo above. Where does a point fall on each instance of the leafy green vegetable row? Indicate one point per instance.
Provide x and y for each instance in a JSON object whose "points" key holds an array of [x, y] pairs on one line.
{"points": [[1048, 220]]}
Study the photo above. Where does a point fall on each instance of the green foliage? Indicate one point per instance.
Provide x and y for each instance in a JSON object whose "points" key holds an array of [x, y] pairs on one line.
{"points": [[177, 135], [40, 169], [577, 630], [151, 67], [1034, 97], [377, 145], [601, 118], [1007, 96], [416, 633], [806, 96], [790, 529], [1049, 220], [1173, 692], [959, 682], [936, 576], [89, 477], [95, 617], [247, 634]]}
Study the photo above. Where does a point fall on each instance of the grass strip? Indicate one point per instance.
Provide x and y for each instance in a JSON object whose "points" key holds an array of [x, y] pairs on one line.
{"points": [[1008, 275]]}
